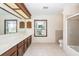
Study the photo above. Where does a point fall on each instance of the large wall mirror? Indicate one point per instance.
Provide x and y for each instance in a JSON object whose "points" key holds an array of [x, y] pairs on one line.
{"points": [[40, 28], [10, 26]]}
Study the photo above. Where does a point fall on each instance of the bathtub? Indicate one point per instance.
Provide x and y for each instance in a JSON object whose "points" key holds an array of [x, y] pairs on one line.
{"points": [[75, 48], [71, 50]]}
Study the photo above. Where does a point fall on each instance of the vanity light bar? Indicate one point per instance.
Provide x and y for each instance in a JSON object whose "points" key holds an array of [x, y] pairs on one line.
{"points": [[18, 8], [9, 12], [22, 13], [12, 5]]}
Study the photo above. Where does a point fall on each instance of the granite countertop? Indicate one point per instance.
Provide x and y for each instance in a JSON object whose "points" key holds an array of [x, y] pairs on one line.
{"points": [[10, 40]]}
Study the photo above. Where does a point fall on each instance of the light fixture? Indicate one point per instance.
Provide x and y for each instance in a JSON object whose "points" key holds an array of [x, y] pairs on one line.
{"points": [[22, 13], [12, 5], [20, 9]]}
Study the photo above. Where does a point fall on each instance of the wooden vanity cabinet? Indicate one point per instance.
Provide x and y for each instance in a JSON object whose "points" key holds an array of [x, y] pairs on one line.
{"points": [[11, 52], [20, 48]]}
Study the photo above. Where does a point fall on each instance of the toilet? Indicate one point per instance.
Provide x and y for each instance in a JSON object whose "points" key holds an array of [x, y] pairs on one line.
{"points": [[61, 42]]}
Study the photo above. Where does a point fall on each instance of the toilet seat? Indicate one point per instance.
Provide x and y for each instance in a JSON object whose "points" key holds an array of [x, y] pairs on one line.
{"points": [[61, 42]]}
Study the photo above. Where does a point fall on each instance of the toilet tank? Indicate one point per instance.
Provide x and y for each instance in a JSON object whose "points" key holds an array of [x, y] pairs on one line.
{"points": [[58, 35]]}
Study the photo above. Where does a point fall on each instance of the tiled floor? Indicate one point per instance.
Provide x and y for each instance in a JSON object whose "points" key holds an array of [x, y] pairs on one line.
{"points": [[42, 49]]}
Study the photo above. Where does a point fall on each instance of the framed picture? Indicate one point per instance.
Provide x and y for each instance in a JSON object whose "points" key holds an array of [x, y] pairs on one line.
{"points": [[40, 28]]}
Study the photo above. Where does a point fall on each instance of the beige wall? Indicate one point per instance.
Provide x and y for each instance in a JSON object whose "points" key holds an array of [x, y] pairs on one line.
{"points": [[70, 9], [54, 22]]}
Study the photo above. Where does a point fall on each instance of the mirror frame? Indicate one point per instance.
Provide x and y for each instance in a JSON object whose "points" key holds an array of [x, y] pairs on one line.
{"points": [[5, 24]]}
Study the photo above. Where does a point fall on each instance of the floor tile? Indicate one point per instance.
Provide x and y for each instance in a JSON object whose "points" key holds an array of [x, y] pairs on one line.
{"points": [[44, 49]]}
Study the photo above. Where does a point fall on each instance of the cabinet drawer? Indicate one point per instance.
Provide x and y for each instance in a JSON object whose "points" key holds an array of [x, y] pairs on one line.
{"points": [[11, 52], [26, 40], [21, 43]]}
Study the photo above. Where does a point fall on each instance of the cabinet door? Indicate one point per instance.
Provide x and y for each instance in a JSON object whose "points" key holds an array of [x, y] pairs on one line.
{"points": [[14, 54], [21, 48], [30, 39], [11, 52], [21, 51], [26, 44]]}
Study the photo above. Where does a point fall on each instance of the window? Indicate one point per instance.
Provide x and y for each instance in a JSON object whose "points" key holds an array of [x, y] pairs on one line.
{"points": [[40, 28]]}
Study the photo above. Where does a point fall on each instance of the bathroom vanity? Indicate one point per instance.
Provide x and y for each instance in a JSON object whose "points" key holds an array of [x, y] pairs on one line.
{"points": [[15, 45]]}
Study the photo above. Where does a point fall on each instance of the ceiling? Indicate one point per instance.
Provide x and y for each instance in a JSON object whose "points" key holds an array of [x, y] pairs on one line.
{"points": [[37, 8]]}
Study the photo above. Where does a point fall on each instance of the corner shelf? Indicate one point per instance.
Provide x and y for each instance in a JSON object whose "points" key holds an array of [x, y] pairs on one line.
{"points": [[29, 24], [22, 24]]}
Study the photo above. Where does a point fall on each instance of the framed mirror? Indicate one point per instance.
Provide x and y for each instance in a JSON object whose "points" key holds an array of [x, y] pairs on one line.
{"points": [[40, 28], [10, 26]]}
